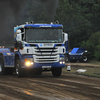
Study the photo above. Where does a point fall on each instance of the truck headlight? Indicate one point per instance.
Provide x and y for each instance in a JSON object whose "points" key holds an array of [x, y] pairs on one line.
{"points": [[62, 60], [29, 61]]}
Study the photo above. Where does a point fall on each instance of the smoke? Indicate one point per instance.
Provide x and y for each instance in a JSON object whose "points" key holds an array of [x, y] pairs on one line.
{"points": [[12, 13], [52, 9], [9, 17], [51, 6]]}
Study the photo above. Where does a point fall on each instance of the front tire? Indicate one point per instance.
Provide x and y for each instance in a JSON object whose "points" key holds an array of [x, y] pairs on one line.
{"points": [[56, 72], [19, 71], [84, 58], [66, 58]]}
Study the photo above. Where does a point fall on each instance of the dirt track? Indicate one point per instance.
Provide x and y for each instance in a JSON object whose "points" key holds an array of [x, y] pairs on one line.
{"points": [[46, 87]]}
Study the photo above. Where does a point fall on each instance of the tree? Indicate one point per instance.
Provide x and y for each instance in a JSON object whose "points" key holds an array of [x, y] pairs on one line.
{"points": [[35, 11], [93, 45], [71, 15]]}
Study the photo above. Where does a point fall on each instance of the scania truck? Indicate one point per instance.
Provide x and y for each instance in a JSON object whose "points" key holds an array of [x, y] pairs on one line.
{"points": [[37, 48]]}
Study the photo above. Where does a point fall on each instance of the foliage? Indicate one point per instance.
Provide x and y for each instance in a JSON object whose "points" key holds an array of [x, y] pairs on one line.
{"points": [[97, 51], [82, 22], [93, 45], [73, 17], [80, 18]]}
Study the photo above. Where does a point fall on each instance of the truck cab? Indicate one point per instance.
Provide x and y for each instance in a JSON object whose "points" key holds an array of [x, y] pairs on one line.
{"points": [[39, 47]]}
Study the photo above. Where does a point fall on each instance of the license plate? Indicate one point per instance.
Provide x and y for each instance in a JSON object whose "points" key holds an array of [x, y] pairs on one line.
{"points": [[46, 66]]}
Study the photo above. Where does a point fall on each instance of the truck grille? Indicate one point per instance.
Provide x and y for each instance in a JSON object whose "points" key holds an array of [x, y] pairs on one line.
{"points": [[46, 55]]}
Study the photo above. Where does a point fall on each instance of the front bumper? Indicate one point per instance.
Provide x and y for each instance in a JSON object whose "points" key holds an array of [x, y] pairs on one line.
{"points": [[44, 65], [75, 57]]}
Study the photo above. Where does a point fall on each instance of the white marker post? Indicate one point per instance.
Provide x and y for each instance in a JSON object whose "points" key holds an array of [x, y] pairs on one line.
{"points": [[68, 67]]}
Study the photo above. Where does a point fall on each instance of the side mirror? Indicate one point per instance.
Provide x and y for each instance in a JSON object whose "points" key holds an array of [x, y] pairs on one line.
{"points": [[65, 36], [20, 45], [18, 31], [19, 37]]}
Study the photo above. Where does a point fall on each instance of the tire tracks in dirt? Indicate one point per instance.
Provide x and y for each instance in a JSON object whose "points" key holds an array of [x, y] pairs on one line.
{"points": [[46, 87]]}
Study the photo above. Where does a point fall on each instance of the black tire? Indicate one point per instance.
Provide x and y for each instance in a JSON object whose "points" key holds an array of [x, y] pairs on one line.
{"points": [[84, 58], [56, 72], [66, 58], [18, 69], [2, 69]]}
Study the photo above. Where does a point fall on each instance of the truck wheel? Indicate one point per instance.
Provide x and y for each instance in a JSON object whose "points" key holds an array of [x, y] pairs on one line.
{"points": [[19, 71], [66, 58], [56, 72], [2, 69], [84, 58]]}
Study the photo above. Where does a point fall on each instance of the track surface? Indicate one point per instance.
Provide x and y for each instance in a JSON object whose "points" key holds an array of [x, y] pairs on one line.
{"points": [[46, 87]]}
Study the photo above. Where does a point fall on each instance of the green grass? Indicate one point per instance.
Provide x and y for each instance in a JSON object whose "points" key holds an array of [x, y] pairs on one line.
{"points": [[91, 71]]}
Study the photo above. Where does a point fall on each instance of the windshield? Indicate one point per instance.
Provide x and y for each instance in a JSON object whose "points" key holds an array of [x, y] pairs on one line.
{"points": [[44, 35]]}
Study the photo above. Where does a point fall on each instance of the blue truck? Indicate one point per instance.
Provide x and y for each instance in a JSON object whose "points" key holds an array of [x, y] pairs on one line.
{"points": [[78, 54], [6, 61], [37, 48]]}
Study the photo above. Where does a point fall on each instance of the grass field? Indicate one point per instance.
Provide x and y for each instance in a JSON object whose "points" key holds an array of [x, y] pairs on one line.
{"points": [[92, 70]]}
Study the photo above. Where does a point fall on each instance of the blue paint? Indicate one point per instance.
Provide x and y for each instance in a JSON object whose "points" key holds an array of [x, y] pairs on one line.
{"points": [[27, 45], [41, 45], [74, 50], [8, 56], [27, 50], [66, 46], [43, 25], [9, 60], [6, 51], [16, 29], [61, 55]]}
